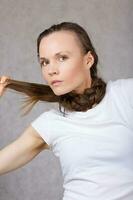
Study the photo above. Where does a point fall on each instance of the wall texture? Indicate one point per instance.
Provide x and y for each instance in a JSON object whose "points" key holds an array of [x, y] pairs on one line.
{"points": [[110, 26]]}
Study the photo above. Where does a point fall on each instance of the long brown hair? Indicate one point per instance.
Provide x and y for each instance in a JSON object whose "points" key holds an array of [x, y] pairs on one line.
{"points": [[70, 101]]}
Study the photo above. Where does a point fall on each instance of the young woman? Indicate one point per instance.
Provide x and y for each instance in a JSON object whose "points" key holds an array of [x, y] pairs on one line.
{"points": [[93, 135]]}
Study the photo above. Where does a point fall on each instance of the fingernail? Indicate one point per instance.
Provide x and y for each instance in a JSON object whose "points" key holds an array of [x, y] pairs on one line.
{"points": [[2, 81]]}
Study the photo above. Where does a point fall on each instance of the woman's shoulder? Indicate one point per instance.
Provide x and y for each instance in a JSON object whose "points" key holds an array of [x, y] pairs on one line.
{"points": [[122, 88], [52, 113], [121, 84]]}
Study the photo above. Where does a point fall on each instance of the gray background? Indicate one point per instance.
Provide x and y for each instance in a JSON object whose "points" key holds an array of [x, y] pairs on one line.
{"points": [[110, 26]]}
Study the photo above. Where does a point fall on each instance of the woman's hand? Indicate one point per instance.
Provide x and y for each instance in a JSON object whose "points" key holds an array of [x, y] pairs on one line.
{"points": [[3, 83]]}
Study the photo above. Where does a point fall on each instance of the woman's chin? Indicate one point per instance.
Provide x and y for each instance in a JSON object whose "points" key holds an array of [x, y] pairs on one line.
{"points": [[58, 93]]}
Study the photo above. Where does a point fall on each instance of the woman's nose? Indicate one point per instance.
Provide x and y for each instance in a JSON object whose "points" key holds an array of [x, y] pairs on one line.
{"points": [[52, 70]]}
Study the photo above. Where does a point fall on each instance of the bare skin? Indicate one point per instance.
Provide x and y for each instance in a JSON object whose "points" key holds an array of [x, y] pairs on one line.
{"points": [[29, 144], [72, 68], [74, 71]]}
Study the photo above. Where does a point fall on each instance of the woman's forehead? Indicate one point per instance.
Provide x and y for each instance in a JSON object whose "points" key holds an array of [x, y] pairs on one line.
{"points": [[60, 41], [60, 37]]}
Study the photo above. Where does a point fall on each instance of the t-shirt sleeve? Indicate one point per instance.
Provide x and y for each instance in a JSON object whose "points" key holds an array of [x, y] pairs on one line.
{"points": [[42, 125], [127, 90], [125, 93]]}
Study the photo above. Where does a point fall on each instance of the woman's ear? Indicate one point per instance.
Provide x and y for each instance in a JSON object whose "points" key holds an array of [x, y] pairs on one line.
{"points": [[89, 60]]}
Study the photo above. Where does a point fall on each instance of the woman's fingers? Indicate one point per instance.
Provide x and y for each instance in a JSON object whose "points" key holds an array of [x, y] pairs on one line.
{"points": [[3, 83]]}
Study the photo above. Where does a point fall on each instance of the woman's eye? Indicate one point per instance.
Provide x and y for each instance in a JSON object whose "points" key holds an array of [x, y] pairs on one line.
{"points": [[63, 58], [43, 64]]}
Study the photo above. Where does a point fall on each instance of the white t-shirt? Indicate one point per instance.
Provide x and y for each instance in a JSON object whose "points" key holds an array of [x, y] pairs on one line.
{"points": [[95, 147]]}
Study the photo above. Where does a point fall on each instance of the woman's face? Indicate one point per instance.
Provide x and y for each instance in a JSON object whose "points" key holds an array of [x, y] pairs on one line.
{"points": [[61, 59]]}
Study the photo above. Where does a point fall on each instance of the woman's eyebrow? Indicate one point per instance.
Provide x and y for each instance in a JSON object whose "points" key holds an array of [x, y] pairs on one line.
{"points": [[58, 53]]}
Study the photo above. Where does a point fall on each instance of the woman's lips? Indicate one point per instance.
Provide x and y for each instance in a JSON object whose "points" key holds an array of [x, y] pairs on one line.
{"points": [[56, 83]]}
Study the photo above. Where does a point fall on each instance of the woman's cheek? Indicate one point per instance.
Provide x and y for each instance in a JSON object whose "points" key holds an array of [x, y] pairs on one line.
{"points": [[72, 77]]}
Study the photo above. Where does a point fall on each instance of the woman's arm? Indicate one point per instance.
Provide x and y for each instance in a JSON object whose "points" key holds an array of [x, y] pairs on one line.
{"points": [[21, 151]]}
